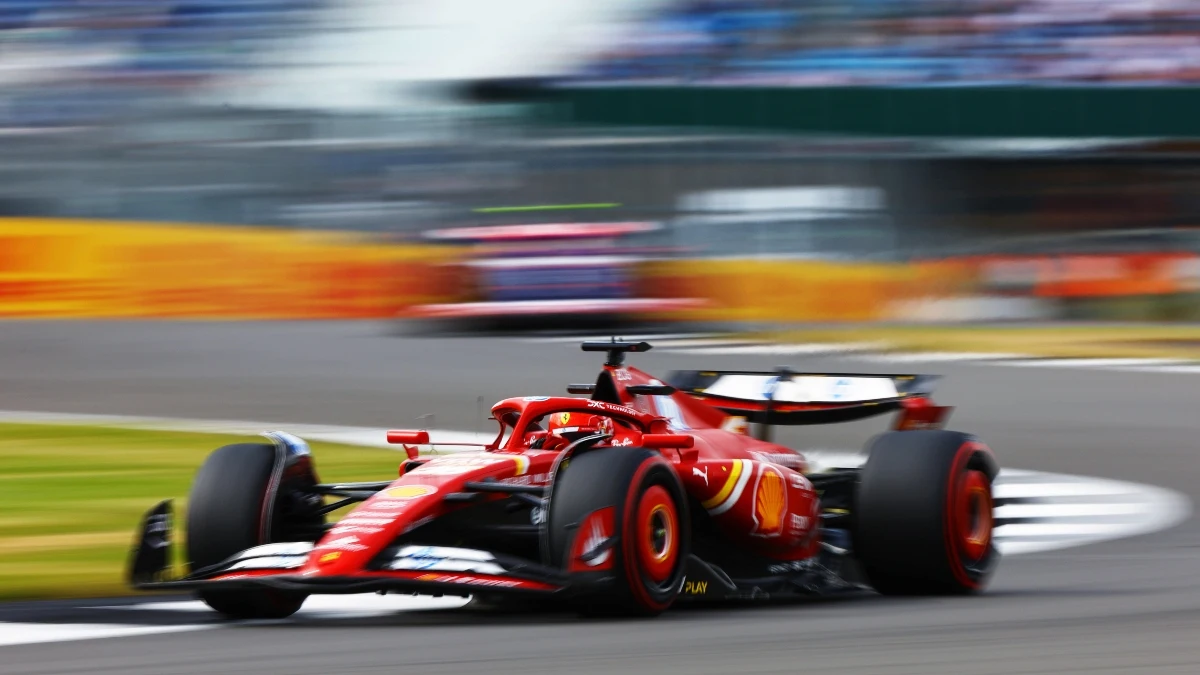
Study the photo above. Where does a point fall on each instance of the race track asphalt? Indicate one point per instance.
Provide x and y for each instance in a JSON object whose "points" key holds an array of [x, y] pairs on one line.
{"points": [[1129, 606]]}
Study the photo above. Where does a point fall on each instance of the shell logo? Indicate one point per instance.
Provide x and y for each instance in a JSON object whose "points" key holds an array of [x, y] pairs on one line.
{"points": [[770, 502], [409, 491], [329, 557]]}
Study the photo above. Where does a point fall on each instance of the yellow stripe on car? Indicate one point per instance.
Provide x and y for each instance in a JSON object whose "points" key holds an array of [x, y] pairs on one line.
{"points": [[727, 488]]}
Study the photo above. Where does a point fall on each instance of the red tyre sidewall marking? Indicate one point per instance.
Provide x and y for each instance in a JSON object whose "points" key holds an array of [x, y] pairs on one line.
{"points": [[952, 531], [657, 501], [629, 533]]}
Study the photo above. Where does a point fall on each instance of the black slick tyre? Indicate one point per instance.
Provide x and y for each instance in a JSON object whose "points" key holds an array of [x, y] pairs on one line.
{"points": [[618, 524], [225, 516], [923, 514]]}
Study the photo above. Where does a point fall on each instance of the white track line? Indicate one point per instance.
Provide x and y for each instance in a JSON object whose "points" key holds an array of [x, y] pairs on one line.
{"points": [[1094, 363], [34, 633], [323, 606], [1088, 510], [1079, 488], [1192, 369], [940, 357]]}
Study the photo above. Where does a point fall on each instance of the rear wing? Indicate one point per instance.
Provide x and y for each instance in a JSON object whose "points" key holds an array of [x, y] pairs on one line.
{"points": [[788, 398]]}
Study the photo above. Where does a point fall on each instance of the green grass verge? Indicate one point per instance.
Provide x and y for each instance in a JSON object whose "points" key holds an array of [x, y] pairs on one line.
{"points": [[1083, 341], [71, 498]]}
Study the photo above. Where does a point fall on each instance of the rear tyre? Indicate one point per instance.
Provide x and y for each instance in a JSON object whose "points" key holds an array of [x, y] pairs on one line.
{"points": [[924, 514], [224, 517], [632, 500]]}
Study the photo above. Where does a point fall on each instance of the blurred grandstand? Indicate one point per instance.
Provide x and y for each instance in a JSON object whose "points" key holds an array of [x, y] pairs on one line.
{"points": [[79, 61], [910, 42], [141, 110]]}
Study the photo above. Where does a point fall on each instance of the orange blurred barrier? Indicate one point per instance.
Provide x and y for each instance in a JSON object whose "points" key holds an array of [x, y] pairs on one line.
{"points": [[57, 268], [1091, 275], [790, 290]]}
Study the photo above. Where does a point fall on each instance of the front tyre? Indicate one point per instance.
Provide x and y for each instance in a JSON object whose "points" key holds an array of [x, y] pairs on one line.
{"points": [[225, 511], [618, 524], [924, 514]]}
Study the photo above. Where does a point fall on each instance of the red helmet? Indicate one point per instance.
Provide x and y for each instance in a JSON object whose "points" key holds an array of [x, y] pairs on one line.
{"points": [[575, 425]]}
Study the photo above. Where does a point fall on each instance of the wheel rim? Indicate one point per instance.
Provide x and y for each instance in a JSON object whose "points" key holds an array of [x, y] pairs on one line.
{"points": [[973, 513], [657, 534]]}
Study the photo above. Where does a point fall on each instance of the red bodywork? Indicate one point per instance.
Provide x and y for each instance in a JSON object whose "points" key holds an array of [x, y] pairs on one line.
{"points": [[755, 491]]}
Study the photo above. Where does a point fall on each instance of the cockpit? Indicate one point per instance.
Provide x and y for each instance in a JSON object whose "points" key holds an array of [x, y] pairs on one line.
{"points": [[555, 423]]}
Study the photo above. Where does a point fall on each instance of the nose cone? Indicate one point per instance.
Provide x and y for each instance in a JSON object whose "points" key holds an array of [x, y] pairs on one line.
{"points": [[351, 544]]}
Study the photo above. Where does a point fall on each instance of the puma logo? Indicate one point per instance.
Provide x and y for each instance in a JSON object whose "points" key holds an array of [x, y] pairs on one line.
{"points": [[702, 474]]}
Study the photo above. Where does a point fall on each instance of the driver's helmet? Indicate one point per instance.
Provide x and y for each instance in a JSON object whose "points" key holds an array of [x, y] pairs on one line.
{"points": [[573, 426]]}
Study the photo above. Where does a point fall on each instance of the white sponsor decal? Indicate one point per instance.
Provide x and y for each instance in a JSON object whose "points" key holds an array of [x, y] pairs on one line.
{"points": [[455, 579], [612, 407], [790, 460], [443, 552], [286, 548], [389, 505], [348, 529], [702, 474], [445, 565], [366, 519], [529, 479], [804, 389], [349, 543], [272, 562], [799, 524], [456, 464]]}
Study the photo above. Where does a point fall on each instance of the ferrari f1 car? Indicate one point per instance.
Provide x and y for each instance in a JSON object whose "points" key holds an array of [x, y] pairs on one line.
{"points": [[629, 497]]}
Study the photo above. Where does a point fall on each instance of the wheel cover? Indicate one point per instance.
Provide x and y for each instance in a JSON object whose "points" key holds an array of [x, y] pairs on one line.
{"points": [[973, 515], [657, 534]]}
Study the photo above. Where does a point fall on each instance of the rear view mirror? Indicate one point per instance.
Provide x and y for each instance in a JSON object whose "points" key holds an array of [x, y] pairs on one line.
{"points": [[660, 441], [401, 436]]}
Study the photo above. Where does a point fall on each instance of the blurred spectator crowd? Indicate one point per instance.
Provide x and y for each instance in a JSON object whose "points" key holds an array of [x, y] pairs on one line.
{"points": [[67, 59], [910, 42]]}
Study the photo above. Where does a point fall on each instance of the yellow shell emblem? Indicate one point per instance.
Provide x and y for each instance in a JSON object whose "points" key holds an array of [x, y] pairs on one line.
{"points": [[770, 502], [409, 491], [564, 418]]}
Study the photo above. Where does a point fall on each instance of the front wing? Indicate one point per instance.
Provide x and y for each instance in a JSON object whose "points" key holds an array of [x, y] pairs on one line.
{"points": [[410, 569], [437, 570]]}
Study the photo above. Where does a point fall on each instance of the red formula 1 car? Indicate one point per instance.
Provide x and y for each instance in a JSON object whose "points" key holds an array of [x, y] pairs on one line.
{"points": [[638, 496]]}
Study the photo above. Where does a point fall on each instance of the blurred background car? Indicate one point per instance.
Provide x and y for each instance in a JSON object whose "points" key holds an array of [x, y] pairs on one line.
{"points": [[550, 275]]}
